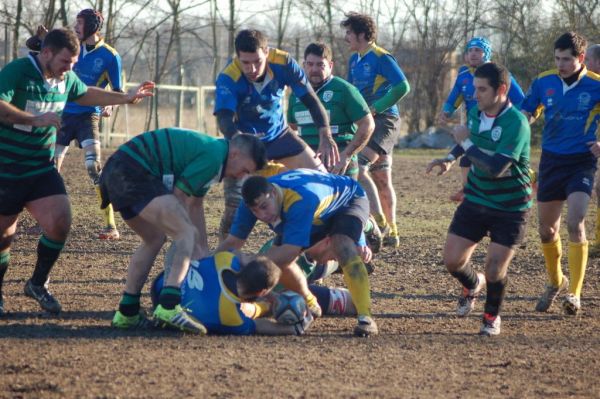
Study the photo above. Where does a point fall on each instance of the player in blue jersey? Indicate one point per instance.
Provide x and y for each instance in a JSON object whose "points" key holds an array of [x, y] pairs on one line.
{"points": [[477, 52], [249, 95], [221, 291], [378, 77], [98, 65], [569, 97], [302, 207]]}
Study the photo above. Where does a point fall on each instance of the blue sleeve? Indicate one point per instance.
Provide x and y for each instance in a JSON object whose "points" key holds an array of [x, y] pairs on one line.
{"points": [[225, 96], [515, 93], [243, 222], [532, 98], [454, 99], [296, 78], [115, 78], [298, 223], [390, 70]]}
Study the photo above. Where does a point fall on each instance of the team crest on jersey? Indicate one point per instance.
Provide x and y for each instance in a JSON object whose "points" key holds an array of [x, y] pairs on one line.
{"points": [[367, 67], [496, 133], [98, 65], [583, 101], [327, 96], [550, 92]]}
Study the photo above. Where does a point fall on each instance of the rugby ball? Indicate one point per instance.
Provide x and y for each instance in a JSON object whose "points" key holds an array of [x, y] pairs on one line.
{"points": [[289, 308]]}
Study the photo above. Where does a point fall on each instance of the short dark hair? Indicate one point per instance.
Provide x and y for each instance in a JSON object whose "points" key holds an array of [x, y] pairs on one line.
{"points": [[571, 41], [361, 23], [254, 187], [58, 39], [250, 41], [495, 74], [252, 147], [318, 49], [258, 274]]}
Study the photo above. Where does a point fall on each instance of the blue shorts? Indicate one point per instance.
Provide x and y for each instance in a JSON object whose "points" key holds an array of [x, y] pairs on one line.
{"points": [[85, 128], [473, 222], [561, 175], [288, 144]]}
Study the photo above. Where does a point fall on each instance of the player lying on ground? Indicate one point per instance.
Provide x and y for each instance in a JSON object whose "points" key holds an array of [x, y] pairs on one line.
{"points": [[302, 207], [157, 181], [221, 292], [497, 194]]}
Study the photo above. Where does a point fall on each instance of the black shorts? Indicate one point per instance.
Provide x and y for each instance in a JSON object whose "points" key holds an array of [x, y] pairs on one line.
{"points": [[561, 175], [287, 145], [386, 134], [15, 194], [128, 186], [473, 222], [85, 128], [349, 221]]}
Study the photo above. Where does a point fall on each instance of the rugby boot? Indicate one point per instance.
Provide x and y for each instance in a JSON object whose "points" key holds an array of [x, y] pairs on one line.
{"points": [[466, 301], [177, 318], [490, 325], [109, 233], [571, 305], [41, 294], [374, 236], [366, 327], [550, 294], [137, 322], [391, 241]]}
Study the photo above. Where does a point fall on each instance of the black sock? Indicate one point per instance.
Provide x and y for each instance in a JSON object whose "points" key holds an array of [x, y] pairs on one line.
{"points": [[47, 254], [130, 304], [466, 276], [4, 258], [495, 296], [169, 297]]}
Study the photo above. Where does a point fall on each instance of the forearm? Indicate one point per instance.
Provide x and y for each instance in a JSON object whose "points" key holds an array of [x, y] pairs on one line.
{"points": [[494, 165], [9, 115], [316, 109], [226, 123], [99, 97], [365, 127], [283, 255], [395, 94]]}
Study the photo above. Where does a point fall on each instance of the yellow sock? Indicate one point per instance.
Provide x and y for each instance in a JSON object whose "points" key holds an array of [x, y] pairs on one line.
{"points": [[311, 300], [107, 213], [393, 229], [552, 254], [578, 257], [597, 242], [357, 280], [380, 219], [261, 308]]}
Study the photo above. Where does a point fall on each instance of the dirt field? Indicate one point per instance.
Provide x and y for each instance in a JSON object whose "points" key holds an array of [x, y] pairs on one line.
{"points": [[423, 351]]}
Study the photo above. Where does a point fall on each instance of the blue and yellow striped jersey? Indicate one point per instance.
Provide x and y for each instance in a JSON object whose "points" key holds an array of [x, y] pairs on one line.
{"points": [[571, 113], [259, 107], [310, 198], [98, 67], [464, 91], [374, 73], [206, 295]]}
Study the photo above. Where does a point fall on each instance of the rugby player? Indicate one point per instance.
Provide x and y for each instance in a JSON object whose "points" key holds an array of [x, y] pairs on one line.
{"points": [[336, 206], [477, 52], [378, 77], [249, 94], [33, 93], [497, 194], [157, 181], [569, 97]]}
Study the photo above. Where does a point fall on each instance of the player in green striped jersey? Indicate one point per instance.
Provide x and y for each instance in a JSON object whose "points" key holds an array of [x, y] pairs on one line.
{"points": [[497, 194], [33, 93]]}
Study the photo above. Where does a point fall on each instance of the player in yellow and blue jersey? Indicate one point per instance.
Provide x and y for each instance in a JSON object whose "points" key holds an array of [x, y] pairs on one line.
{"points": [[248, 99], [221, 292], [380, 80], [569, 97], [302, 207]]}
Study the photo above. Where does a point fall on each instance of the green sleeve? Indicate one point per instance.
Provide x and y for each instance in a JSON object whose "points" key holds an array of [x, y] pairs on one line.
{"points": [[77, 89], [290, 109], [355, 105], [9, 76], [392, 97]]}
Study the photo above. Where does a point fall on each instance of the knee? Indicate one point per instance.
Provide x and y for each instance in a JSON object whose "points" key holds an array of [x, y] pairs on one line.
{"points": [[574, 226], [547, 232]]}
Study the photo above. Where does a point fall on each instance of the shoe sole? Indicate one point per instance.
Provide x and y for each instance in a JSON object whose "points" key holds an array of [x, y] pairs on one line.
{"points": [[168, 326], [359, 332], [570, 309]]}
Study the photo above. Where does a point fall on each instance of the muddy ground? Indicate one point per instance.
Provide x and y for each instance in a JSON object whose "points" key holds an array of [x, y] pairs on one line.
{"points": [[423, 351]]}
